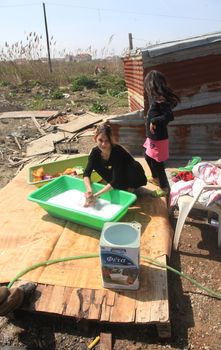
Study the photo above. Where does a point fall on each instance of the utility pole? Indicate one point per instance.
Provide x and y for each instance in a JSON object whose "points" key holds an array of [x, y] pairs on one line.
{"points": [[48, 46], [130, 41]]}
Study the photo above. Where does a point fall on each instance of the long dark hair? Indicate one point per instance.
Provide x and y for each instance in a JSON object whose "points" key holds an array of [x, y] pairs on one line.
{"points": [[105, 129], [156, 86]]}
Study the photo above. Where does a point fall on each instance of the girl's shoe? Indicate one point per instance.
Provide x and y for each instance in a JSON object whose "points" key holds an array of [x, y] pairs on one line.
{"points": [[153, 180], [158, 193]]}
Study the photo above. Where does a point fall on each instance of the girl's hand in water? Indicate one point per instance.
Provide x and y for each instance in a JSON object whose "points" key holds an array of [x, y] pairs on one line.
{"points": [[89, 199]]}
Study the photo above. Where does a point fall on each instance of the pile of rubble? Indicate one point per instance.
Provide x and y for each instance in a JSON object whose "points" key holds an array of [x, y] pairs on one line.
{"points": [[26, 135]]}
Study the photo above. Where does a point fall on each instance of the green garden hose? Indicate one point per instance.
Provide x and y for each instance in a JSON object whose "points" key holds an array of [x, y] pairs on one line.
{"points": [[154, 262], [47, 263], [210, 292]]}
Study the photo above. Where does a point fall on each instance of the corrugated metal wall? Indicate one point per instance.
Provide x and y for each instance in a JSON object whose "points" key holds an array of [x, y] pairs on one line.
{"points": [[195, 75], [129, 131], [134, 77], [197, 80], [192, 135]]}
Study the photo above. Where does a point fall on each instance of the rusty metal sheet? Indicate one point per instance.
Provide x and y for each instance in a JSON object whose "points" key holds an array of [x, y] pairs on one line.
{"points": [[129, 131], [185, 44], [193, 71], [199, 135]]}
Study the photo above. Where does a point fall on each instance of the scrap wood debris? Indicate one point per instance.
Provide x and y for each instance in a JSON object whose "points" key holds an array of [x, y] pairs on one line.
{"points": [[62, 129]]}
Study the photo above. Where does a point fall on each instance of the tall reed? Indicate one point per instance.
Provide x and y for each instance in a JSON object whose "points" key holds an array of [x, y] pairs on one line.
{"points": [[27, 60]]}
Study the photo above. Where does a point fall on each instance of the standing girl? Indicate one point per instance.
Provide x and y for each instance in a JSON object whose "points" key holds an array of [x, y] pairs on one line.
{"points": [[161, 101]]}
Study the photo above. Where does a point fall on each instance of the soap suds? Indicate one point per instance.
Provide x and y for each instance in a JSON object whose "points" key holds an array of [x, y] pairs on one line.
{"points": [[74, 200]]}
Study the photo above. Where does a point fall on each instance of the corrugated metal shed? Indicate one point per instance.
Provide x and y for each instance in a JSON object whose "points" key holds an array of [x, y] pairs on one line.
{"points": [[192, 67], [128, 130]]}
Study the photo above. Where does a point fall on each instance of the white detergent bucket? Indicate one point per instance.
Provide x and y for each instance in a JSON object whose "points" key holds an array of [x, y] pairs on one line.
{"points": [[120, 255]]}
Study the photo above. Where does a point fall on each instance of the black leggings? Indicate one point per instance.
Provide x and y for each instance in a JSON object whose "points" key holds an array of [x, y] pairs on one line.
{"points": [[157, 171]]}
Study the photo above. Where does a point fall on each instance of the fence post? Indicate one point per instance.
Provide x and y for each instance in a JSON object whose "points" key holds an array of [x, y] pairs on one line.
{"points": [[48, 46], [130, 41]]}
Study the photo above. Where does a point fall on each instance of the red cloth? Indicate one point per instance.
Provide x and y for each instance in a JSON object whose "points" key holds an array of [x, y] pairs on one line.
{"points": [[183, 175]]}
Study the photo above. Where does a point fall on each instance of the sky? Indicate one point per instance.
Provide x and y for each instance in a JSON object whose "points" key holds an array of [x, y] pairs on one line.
{"points": [[102, 26]]}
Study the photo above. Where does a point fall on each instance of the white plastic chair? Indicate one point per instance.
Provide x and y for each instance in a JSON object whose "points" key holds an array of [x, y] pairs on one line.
{"points": [[186, 203]]}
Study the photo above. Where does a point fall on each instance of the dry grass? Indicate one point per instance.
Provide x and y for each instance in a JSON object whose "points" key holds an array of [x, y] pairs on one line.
{"points": [[63, 72], [23, 61]]}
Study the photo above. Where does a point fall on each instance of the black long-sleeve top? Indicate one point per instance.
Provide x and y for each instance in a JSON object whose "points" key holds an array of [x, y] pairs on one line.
{"points": [[159, 114], [120, 170]]}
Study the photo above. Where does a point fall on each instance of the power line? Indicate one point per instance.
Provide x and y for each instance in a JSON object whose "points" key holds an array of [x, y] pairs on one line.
{"points": [[135, 12], [117, 11], [20, 5]]}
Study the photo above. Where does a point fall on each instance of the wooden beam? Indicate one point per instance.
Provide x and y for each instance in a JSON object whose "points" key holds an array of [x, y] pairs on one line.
{"points": [[26, 114], [105, 341], [42, 132], [164, 330]]}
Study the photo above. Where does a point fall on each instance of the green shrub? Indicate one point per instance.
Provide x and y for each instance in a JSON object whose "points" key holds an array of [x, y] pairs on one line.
{"points": [[113, 84], [56, 94], [37, 102], [3, 83], [83, 81], [101, 91], [33, 83], [98, 107]]}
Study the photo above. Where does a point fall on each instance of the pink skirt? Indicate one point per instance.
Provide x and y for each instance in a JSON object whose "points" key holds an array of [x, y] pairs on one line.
{"points": [[158, 150]]}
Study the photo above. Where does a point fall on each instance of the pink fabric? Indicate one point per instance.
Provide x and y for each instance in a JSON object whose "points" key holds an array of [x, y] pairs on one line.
{"points": [[180, 188], [158, 150], [205, 174]]}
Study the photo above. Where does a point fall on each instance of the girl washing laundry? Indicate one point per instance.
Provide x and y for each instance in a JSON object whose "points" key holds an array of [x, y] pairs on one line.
{"points": [[113, 163], [161, 101]]}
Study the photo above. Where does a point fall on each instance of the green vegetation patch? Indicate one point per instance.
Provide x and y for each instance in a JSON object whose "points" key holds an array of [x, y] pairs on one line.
{"points": [[56, 94], [83, 81], [98, 107], [112, 84], [3, 83]]}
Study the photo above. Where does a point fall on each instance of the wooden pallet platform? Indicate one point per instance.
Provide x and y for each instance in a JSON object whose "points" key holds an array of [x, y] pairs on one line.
{"points": [[73, 289], [131, 307]]}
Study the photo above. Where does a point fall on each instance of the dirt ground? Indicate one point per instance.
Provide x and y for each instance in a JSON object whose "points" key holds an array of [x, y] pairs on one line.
{"points": [[195, 317]]}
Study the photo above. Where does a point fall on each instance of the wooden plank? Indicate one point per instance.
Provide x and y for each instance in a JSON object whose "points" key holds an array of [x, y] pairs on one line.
{"points": [[105, 313], [59, 298], [159, 307], [94, 312], [110, 297], [43, 302], [105, 341], [86, 297], [81, 122], [73, 304], [124, 307], [26, 114], [38, 126], [17, 142], [96, 305], [45, 144], [107, 305], [144, 297]]}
